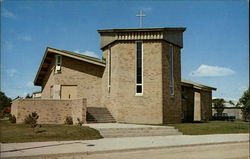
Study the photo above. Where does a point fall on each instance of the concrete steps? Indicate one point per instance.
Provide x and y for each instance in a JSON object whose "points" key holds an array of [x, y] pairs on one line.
{"points": [[131, 130], [99, 115]]}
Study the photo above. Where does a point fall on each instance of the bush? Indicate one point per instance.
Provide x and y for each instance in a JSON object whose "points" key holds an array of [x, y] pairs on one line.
{"points": [[79, 122], [31, 119], [12, 118], [68, 120]]}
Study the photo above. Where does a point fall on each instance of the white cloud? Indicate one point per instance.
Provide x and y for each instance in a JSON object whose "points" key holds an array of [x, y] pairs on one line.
{"points": [[87, 53], [211, 71], [77, 51], [8, 14], [11, 72], [90, 53], [30, 84]]}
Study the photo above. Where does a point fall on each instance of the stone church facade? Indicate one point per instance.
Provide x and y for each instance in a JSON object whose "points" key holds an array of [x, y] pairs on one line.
{"points": [[138, 80]]}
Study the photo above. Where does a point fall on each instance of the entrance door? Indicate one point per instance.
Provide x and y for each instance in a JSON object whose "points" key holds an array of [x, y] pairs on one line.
{"points": [[68, 92], [197, 106]]}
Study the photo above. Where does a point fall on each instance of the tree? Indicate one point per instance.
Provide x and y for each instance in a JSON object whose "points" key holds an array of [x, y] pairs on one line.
{"points": [[4, 101], [244, 101], [219, 105], [231, 102], [28, 96]]}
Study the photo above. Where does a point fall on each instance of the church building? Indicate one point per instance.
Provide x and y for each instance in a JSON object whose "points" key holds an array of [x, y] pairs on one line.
{"points": [[138, 79]]}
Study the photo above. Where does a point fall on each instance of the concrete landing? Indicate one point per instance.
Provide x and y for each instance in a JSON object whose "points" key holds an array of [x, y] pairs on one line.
{"points": [[114, 130]]}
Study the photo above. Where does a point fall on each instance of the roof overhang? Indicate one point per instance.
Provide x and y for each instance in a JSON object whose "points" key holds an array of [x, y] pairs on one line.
{"points": [[171, 35], [48, 57], [188, 83]]}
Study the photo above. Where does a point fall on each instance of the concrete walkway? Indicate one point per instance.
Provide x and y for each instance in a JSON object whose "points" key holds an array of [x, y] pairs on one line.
{"points": [[111, 130], [119, 125], [106, 145]]}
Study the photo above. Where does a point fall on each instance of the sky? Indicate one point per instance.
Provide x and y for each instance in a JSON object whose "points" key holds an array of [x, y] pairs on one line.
{"points": [[215, 51]]}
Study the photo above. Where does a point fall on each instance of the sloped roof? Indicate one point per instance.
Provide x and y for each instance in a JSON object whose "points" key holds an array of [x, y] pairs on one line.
{"points": [[189, 83], [48, 56]]}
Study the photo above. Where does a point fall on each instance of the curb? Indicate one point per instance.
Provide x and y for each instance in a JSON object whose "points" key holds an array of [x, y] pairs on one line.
{"points": [[78, 154]]}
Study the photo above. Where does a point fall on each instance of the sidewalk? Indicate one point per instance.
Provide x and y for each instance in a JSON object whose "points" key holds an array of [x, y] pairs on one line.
{"points": [[105, 145]]}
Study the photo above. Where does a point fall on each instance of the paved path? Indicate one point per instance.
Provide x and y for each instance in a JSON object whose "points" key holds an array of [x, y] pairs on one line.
{"points": [[88, 147], [111, 130], [220, 151], [119, 125]]}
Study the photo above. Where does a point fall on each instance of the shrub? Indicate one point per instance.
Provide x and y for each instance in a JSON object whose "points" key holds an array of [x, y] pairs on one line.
{"points": [[79, 122], [12, 118], [31, 119], [68, 120]]}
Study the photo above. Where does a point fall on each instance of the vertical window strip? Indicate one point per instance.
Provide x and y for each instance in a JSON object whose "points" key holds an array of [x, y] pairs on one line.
{"points": [[58, 60], [109, 70], [58, 63], [139, 68], [171, 70]]}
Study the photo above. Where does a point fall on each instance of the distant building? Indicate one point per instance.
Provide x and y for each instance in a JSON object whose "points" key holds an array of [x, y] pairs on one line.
{"points": [[37, 94]]}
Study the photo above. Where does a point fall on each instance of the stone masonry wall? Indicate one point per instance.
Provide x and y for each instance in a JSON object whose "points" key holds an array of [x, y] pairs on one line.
{"points": [[188, 112], [48, 81], [124, 105], [172, 112], [85, 76], [50, 111], [206, 105]]}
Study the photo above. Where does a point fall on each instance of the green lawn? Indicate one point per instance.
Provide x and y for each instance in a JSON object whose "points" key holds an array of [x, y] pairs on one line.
{"points": [[24, 133], [213, 127]]}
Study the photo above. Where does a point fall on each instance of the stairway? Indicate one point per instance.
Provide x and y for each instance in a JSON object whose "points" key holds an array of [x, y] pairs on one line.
{"points": [[99, 115], [116, 130]]}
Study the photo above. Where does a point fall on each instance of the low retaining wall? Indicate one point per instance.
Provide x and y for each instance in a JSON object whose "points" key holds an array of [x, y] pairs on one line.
{"points": [[50, 111]]}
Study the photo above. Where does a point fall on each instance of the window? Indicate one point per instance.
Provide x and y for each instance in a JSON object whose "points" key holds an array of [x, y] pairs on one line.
{"points": [[139, 68], [171, 84], [58, 63], [109, 70]]}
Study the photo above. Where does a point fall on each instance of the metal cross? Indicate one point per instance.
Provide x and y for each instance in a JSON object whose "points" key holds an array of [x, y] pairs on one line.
{"points": [[141, 15]]}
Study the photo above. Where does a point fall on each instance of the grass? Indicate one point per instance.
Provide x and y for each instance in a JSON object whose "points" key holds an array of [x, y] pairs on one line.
{"points": [[213, 127], [14, 133]]}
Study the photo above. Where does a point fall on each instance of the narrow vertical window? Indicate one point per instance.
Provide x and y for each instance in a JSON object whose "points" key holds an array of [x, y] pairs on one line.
{"points": [[58, 63], [109, 70], [171, 84], [139, 68]]}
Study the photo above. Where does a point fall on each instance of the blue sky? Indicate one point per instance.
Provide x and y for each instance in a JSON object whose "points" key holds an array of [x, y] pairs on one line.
{"points": [[215, 49]]}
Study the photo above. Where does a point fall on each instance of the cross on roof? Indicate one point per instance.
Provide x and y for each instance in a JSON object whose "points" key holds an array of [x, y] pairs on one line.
{"points": [[141, 15]]}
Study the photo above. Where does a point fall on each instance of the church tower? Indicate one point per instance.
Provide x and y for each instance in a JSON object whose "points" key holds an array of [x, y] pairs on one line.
{"points": [[142, 78]]}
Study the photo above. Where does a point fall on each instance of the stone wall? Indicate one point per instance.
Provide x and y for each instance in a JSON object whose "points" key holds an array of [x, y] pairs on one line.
{"points": [[50, 111], [188, 106], [85, 76], [48, 81], [172, 112], [206, 105], [122, 101]]}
